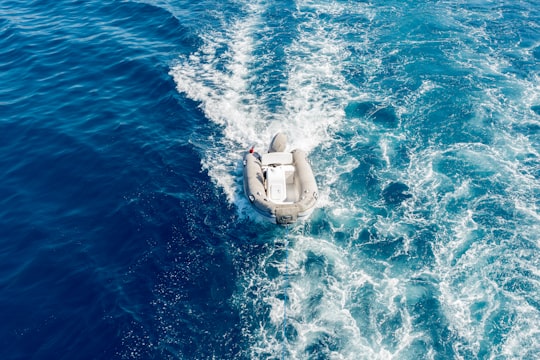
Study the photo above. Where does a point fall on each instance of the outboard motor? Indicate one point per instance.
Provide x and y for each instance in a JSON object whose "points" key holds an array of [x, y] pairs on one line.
{"points": [[279, 143]]}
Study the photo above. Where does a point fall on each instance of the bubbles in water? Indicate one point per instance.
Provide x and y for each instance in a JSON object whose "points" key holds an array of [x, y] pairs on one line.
{"points": [[425, 150]]}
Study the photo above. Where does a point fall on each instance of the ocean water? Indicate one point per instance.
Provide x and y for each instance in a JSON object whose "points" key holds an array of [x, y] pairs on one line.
{"points": [[124, 231]]}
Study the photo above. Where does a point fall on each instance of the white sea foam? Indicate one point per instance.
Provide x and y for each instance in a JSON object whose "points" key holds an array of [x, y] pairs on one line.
{"points": [[327, 291], [483, 205], [220, 80], [217, 76], [475, 200], [472, 256]]}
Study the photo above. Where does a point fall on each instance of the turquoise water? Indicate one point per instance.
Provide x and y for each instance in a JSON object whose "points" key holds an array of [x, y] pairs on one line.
{"points": [[124, 231]]}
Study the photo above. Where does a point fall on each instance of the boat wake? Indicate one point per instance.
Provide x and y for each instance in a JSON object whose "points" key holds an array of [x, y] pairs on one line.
{"points": [[424, 242]]}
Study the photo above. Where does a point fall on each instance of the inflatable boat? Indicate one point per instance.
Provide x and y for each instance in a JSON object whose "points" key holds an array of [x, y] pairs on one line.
{"points": [[280, 185]]}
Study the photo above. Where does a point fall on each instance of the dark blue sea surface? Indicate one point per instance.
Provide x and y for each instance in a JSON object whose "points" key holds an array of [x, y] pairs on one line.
{"points": [[124, 231]]}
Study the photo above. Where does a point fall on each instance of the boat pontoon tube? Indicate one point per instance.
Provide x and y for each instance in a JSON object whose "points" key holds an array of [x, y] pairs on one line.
{"points": [[280, 185]]}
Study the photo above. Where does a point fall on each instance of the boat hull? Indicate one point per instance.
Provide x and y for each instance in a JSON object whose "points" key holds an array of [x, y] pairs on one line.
{"points": [[288, 199]]}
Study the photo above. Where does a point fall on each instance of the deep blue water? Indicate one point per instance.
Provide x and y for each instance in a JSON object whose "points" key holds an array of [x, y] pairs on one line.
{"points": [[124, 233]]}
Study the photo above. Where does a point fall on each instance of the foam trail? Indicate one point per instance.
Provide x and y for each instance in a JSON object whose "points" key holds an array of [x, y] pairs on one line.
{"points": [[324, 319], [218, 76], [425, 244], [224, 75], [486, 284]]}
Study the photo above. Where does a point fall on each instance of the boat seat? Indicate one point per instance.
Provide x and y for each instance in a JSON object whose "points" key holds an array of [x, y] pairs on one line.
{"points": [[276, 184], [279, 158]]}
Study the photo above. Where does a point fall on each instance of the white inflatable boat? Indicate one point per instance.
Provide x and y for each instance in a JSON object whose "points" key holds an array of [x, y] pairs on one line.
{"points": [[280, 185]]}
